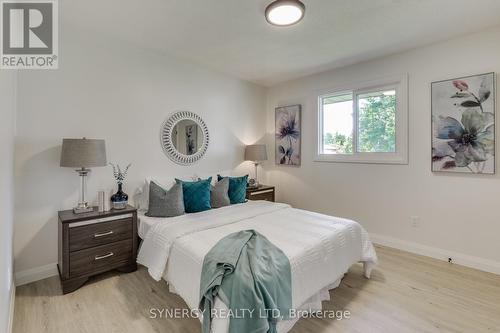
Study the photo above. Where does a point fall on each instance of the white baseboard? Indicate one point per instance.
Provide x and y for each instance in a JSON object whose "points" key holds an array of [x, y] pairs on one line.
{"points": [[36, 274], [482, 264], [11, 310]]}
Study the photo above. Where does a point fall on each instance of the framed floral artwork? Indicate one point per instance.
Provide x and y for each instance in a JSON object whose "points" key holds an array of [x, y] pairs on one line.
{"points": [[288, 135], [463, 124]]}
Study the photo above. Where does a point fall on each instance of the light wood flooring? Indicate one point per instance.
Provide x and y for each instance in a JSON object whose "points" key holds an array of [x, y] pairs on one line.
{"points": [[407, 293]]}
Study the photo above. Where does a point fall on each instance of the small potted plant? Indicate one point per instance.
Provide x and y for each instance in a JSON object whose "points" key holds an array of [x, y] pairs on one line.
{"points": [[119, 200]]}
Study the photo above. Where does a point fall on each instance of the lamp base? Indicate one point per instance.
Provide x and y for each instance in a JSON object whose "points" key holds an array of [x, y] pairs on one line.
{"points": [[84, 209], [256, 182], [252, 183], [83, 206]]}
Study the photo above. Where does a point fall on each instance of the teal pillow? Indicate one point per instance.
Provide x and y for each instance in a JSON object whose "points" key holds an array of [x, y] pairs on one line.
{"points": [[196, 195], [237, 188]]}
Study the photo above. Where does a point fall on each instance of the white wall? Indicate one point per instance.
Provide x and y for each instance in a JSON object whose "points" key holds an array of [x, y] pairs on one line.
{"points": [[105, 89], [7, 126], [458, 213]]}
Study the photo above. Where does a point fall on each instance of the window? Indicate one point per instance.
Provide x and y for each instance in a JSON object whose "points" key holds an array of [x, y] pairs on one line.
{"points": [[377, 122], [364, 125]]}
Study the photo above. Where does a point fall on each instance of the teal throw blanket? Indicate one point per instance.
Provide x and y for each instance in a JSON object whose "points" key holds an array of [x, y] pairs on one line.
{"points": [[252, 277]]}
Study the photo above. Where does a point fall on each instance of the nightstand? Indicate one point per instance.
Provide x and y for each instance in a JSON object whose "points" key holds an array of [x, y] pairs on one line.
{"points": [[93, 243], [263, 192]]}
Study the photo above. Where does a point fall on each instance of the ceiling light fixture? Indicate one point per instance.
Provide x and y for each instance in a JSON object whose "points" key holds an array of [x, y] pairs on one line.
{"points": [[285, 12]]}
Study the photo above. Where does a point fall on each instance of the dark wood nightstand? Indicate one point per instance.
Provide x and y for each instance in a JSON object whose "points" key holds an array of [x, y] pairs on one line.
{"points": [[263, 192], [93, 243]]}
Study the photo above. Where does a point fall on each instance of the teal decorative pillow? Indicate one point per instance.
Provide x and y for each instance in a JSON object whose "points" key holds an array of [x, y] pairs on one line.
{"points": [[196, 195], [237, 188]]}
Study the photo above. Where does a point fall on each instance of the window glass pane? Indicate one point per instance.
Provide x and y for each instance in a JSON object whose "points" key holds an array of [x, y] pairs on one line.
{"points": [[377, 122], [337, 124]]}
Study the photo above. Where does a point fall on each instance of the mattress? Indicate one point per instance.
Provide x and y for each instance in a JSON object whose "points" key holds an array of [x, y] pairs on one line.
{"points": [[320, 248], [144, 223]]}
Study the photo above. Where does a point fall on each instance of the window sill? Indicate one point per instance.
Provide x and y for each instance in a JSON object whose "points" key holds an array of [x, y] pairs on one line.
{"points": [[375, 158]]}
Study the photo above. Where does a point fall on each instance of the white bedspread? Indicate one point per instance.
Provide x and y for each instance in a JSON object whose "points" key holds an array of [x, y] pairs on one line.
{"points": [[320, 248]]}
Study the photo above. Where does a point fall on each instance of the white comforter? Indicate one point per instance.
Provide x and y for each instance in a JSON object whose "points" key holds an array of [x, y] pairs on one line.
{"points": [[320, 248]]}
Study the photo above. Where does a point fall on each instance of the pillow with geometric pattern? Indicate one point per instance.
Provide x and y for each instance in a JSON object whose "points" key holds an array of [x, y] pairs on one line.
{"points": [[196, 195], [237, 188]]}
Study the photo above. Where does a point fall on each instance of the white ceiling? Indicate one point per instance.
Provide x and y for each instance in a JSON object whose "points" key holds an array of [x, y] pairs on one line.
{"points": [[233, 36]]}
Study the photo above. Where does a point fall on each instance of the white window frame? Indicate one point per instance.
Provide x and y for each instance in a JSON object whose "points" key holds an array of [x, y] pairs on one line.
{"points": [[398, 83]]}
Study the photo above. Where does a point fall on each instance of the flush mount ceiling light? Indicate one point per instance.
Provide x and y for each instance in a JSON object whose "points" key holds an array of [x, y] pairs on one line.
{"points": [[285, 12]]}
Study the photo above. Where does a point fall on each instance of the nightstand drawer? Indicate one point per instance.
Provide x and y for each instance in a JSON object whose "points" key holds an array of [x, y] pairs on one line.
{"points": [[261, 194], [91, 235], [104, 257]]}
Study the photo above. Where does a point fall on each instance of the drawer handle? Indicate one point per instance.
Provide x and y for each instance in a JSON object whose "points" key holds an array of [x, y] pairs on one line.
{"points": [[110, 254], [261, 192], [103, 234]]}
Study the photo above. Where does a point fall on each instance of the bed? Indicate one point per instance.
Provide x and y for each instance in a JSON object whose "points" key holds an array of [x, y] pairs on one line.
{"points": [[320, 249]]}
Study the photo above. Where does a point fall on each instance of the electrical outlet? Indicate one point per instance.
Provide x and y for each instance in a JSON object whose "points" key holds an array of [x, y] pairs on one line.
{"points": [[415, 221]]}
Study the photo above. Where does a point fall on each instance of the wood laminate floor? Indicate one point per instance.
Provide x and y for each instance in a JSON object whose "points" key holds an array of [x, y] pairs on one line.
{"points": [[407, 293]]}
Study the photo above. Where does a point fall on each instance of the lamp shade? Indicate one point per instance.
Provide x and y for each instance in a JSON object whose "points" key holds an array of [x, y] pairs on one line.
{"points": [[256, 153], [83, 153]]}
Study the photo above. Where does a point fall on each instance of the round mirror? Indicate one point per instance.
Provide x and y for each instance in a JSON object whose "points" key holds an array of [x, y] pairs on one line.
{"points": [[187, 137], [184, 137]]}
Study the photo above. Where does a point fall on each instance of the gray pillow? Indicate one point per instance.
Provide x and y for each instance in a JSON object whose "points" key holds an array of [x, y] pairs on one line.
{"points": [[219, 194], [165, 203]]}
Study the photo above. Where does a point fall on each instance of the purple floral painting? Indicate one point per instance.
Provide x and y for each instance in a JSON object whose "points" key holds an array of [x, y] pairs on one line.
{"points": [[288, 135], [463, 125]]}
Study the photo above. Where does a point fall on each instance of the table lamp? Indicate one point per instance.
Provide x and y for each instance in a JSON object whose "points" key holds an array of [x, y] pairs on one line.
{"points": [[257, 154], [83, 154]]}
